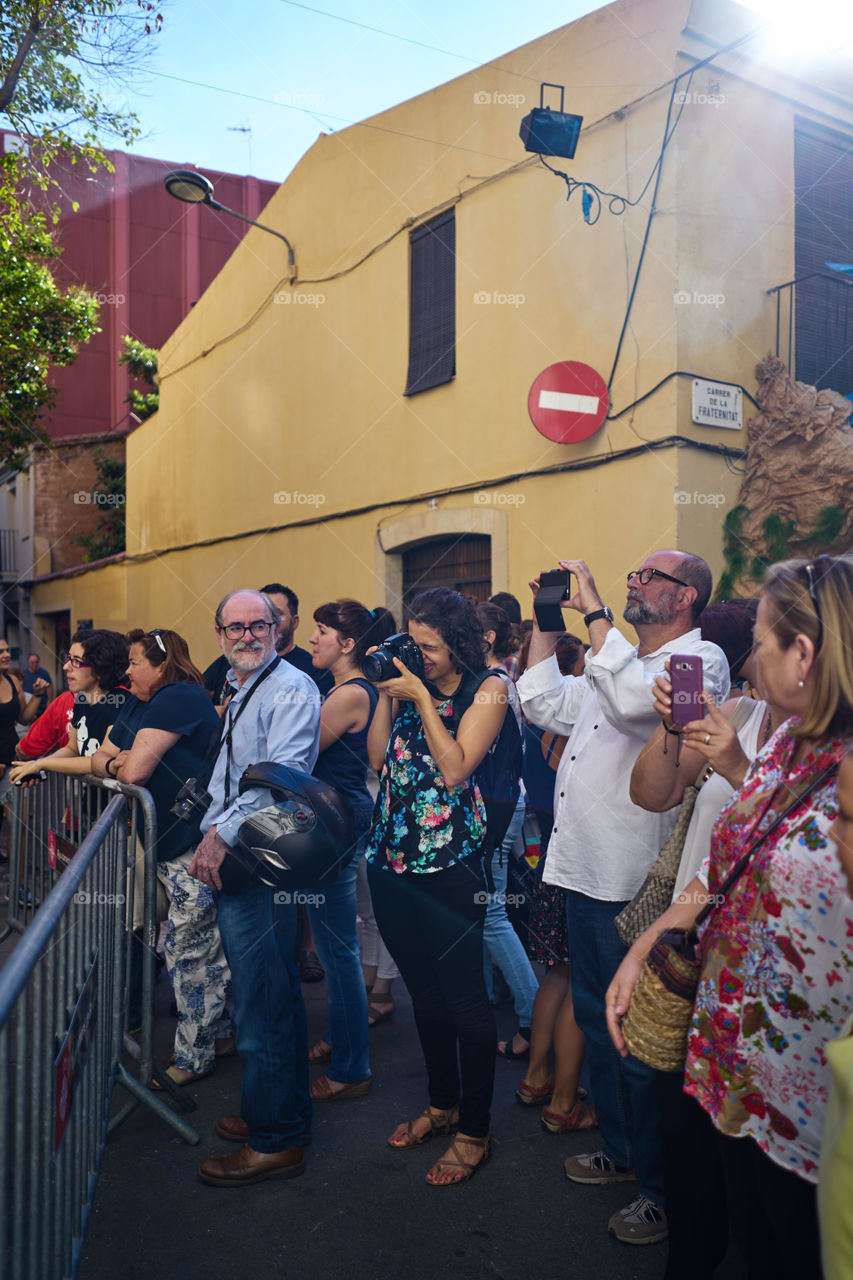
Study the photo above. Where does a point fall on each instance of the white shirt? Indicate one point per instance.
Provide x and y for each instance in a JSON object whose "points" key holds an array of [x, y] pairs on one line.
{"points": [[601, 844]]}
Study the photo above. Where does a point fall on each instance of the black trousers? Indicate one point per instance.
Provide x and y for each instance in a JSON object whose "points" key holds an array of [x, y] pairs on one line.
{"points": [[773, 1213], [433, 926], [716, 1186]]}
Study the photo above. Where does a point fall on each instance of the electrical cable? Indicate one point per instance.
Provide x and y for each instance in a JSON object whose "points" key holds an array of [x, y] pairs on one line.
{"points": [[678, 373], [560, 468]]}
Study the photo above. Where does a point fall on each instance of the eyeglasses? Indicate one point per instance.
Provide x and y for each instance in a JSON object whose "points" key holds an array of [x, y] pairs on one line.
{"points": [[236, 630], [67, 661], [645, 576], [810, 569]]}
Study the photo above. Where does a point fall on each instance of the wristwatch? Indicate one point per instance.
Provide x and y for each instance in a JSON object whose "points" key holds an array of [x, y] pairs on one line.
{"points": [[605, 612]]}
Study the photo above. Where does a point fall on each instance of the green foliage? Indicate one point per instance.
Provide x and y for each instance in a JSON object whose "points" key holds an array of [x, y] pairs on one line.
{"points": [[734, 552], [58, 59], [40, 324], [782, 541], [142, 363], [109, 497]]}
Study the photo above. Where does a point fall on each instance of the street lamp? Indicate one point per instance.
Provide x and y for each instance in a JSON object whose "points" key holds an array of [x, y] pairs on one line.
{"points": [[195, 188]]}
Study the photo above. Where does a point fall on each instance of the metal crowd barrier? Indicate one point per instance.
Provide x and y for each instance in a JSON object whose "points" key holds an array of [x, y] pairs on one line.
{"points": [[63, 1010]]}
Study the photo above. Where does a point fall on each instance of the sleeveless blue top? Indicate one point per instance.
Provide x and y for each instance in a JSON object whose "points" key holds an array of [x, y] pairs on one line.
{"points": [[344, 763]]}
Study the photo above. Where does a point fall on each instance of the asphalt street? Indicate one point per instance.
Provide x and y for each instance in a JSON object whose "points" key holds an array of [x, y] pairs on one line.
{"points": [[362, 1211]]}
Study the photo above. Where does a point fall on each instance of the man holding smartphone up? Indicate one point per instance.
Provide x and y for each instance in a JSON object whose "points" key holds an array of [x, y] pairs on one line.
{"points": [[602, 845]]}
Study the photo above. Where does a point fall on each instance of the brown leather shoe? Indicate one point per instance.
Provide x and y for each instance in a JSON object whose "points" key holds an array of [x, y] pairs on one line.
{"points": [[235, 1129], [246, 1166]]}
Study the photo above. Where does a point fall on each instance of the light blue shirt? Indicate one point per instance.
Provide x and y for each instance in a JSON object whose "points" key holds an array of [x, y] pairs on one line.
{"points": [[281, 724]]}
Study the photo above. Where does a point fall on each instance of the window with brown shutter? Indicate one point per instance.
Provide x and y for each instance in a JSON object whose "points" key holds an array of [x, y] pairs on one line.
{"points": [[432, 304], [463, 563]]}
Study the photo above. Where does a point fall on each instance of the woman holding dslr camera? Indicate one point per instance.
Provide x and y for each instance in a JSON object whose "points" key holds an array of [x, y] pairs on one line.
{"points": [[426, 871]]}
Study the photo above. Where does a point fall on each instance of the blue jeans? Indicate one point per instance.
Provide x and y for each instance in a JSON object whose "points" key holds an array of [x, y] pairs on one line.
{"points": [[624, 1089], [503, 945], [333, 927], [259, 936]]}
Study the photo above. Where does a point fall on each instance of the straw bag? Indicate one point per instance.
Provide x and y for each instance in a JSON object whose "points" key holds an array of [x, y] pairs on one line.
{"points": [[658, 1019], [655, 893]]}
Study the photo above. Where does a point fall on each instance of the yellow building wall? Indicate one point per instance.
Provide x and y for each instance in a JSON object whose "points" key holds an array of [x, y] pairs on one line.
{"points": [[282, 417]]}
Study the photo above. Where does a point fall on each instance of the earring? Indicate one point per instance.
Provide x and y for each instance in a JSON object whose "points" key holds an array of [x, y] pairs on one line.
{"points": [[800, 683]]}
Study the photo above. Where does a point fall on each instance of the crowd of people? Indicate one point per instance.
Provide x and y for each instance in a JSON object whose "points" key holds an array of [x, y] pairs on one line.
{"points": [[406, 756]]}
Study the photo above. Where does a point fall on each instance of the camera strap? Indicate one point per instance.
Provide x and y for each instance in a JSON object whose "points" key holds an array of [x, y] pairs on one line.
{"points": [[226, 736]]}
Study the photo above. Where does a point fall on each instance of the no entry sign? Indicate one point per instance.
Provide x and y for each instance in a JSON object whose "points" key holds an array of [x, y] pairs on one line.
{"points": [[568, 402]]}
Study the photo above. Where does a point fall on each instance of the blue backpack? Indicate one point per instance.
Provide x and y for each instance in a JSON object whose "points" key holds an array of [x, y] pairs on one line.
{"points": [[499, 773]]}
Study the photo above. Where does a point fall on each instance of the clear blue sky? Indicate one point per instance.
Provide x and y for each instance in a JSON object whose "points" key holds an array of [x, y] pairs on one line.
{"points": [[288, 71], [315, 73]]}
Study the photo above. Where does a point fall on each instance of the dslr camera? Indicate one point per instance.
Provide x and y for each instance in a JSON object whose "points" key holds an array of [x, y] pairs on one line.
{"points": [[192, 801], [379, 665]]}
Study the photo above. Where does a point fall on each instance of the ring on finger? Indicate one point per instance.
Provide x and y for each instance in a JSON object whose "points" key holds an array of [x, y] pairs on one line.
{"points": [[707, 738]]}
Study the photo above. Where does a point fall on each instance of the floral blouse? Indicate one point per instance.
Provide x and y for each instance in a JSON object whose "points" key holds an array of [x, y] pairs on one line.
{"points": [[777, 975], [420, 824]]}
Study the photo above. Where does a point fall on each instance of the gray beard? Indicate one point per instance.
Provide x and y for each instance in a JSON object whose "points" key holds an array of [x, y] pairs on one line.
{"points": [[640, 611], [637, 611]]}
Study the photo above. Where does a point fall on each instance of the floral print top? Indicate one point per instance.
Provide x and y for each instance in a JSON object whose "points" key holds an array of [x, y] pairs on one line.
{"points": [[777, 974], [420, 824]]}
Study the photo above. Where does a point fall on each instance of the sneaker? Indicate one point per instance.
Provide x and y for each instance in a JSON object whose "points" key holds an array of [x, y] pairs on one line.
{"points": [[643, 1222], [594, 1167]]}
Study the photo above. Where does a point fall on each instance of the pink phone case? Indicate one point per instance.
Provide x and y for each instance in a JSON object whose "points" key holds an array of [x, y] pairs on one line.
{"points": [[685, 674]]}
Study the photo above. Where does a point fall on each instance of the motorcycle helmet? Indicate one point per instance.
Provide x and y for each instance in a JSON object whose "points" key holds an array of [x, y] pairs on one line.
{"points": [[300, 841]]}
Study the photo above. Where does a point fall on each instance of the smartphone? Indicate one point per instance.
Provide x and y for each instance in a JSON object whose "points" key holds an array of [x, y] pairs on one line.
{"points": [[685, 676], [554, 586]]}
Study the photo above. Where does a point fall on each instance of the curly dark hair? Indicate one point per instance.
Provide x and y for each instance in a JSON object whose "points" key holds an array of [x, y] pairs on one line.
{"points": [[455, 619], [106, 654]]}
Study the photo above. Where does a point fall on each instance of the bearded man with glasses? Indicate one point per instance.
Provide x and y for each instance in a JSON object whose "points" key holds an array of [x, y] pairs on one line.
{"points": [[281, 724], [602, 845]]}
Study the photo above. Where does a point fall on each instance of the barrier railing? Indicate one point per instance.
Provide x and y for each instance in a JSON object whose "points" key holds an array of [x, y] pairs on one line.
{"points": [[63, 1012]]}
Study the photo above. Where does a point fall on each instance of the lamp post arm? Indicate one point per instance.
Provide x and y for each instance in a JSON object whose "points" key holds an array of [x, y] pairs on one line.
{"points": [[291, 258]]}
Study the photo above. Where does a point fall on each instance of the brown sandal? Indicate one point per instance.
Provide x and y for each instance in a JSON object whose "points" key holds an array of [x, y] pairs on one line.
{"points": [[439, 1122], [318, 1056], [455, 1161]]}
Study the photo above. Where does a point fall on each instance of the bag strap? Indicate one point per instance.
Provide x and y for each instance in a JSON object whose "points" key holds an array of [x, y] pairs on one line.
{"points": [[741, 864]]}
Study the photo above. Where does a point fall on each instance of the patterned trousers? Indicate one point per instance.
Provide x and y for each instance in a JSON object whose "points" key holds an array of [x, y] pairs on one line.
{"points": [[197, 967]]}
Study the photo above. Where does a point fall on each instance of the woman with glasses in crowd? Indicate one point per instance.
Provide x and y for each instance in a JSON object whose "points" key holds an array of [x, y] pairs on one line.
{"points": [[426, 871], [94, 670], [777, 953], [161, 739], [344, 631]]}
